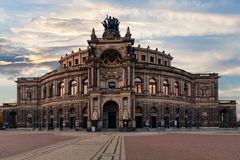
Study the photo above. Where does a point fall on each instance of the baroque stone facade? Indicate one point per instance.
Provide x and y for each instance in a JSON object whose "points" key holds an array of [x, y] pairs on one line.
{"points": [[113, 84]]}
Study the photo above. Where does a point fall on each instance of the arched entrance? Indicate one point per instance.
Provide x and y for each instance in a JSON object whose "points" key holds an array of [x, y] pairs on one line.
{"points": [[60, 118], [72, 117], [44, 119], [138, 117], [110, 115], [153, 117], [224, 118], [85, 117], [166, 117], [177, 122], [50, 119], [12, 119], [186, 118]]}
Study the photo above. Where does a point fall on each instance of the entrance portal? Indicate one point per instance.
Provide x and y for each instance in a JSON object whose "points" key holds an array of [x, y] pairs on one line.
{"points": [[138, 117], [110, 115], [12, 119]]}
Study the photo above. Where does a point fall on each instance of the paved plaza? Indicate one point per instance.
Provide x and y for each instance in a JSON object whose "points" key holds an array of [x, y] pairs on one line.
{"points": [[154, 145]]}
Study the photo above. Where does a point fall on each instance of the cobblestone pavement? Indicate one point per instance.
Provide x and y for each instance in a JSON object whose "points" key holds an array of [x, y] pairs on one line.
{"points": [[12, 143], [75, 146], [184, 146]]}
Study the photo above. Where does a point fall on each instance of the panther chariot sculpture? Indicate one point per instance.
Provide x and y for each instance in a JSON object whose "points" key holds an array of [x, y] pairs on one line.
{"points": [[111, 25]]}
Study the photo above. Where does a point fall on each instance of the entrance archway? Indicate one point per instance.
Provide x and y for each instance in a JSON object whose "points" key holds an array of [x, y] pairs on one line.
{"points": [[12, 119], [85, 117], [153, 117], [177, 120], [50, 119], [110, 115], [166, 117], [60, 118], [138, 117], [72, 117], [224, 118]]}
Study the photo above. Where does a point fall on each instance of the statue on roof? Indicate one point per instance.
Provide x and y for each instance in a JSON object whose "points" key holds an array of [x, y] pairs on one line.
{"points": [[111, 23]]}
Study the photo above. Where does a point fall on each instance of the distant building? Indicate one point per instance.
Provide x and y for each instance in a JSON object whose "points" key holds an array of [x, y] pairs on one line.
{"points": [[113, 84]]}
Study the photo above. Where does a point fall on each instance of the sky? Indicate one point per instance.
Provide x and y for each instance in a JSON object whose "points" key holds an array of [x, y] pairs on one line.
{"points": [[202, 36]]}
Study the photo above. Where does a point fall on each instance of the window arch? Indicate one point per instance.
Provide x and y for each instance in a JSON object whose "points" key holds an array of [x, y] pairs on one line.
{"points": [[177, 89], [111, 57], [61, 89], [73, 88], [152, 86], [51, 89], [165, 87], [44, 92], [138, 85], [85, 86], [186, 89]]}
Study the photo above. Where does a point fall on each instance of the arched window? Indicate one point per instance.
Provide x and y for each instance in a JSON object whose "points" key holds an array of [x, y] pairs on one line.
{"points": [[85, 86], [44, 92], [62, 89], [165, 87], [73, 88], [186, 90], [111, 57], [152, 86], [51, 89], [138, 85], [177, 89]]}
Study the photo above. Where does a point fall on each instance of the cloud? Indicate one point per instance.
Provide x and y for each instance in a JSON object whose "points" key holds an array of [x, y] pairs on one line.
{"points": [[13, 71], [4, 16]]}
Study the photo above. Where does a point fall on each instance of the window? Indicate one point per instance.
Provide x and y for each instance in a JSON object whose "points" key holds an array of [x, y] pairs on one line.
{"points": [[84, 59], [76, 61], [165, 87], [73, 88], [44, 92], [152, 86], [111, 84], [64, 65], [85, 86], [62, 90], [143, 57], [51, 89], [159, 61], [111, 57], [138, 85], [185, 89], [165, 63], [29, 94], [152, 59], [177, 91], [70, 63]]}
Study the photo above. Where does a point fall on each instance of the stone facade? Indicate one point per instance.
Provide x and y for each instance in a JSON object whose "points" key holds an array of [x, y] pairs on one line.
{"points": [[113, 84]]}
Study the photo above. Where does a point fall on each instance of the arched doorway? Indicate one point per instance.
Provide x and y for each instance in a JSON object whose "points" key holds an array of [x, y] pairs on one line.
{"points": [[153, 117], [177, 122], [72, 117], [224, 118], [186, 118], [60, 118], [138, 117], [50, 119], [12, 119], [166, 117], [85, 117], [44, 119], [110, 115]]}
